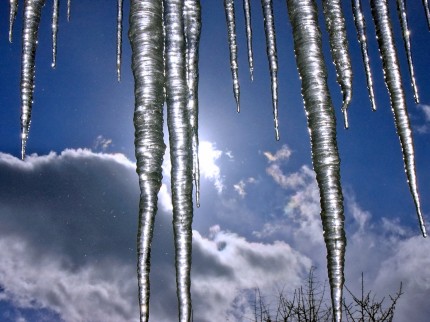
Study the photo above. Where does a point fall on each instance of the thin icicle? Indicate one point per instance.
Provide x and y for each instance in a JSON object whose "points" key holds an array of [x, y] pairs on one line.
{"points": [[180, 151], [393, 82], [54, 32], [146, 39], [322, 128], [247, 13], [13, 5], [69, 7], [401, 8], [192, 27], [427, 11], [269, 27], [336, 27], [32, 11], [231, 28], [360, 25], [119, 39]]}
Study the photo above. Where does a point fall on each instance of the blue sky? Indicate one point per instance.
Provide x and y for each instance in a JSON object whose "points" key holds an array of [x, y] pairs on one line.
{"points": [[69, 212]]}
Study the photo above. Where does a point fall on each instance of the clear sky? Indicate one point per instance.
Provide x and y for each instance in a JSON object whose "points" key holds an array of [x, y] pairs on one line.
{"points": [[68, 213]]}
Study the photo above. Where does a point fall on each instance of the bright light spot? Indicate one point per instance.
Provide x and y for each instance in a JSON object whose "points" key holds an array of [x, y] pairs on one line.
{"points": [[208, 155]]}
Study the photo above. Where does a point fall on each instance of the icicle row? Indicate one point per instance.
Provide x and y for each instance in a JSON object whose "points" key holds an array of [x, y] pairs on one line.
{"points": [[119, 39], [360, 25], [335, 23], [247, 13], [180, 150], [69, 7], [231, 28], [401, 8], [13, 5], [192, 28], [146, 38], [427, 11], [269, 27], [32, 11], [393, 82], [322, 127], [54, 32]]}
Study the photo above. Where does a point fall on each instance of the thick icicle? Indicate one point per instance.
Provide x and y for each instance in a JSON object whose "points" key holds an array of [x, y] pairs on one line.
{"points": [[247, 13], [393, 82], [69, 7], [192, 27], [335, 23], [269, 27], [180, 150], [13, 4], [54, 32], [146, 38], [119, 39], [360, 25], [32, 11], [427, 11], [401, 8], [322, 128], [231, 28]]}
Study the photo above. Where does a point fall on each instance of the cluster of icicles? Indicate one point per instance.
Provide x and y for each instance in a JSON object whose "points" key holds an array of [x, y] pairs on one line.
{"points": [[164, 36]]}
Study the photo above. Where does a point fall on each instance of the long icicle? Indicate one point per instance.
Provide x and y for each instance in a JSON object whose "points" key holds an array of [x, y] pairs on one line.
{"points": [[401, 8], [427, 11], [231, 29], [119, 39], [32, 11], [269, 27], [54, 32], [360, 25], [322, 127], [180, 151], [13, 8], [247, 14], [192, 27], [146, 39], [393, 81], [336, 27]]}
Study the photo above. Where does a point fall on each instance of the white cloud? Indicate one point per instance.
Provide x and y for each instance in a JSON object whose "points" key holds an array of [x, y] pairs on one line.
{"points": [[101, 143], [240, 187], [283, 153], [424, 127]]}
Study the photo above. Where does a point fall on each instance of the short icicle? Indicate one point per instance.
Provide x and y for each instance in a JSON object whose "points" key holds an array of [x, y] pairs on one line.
{"points": [[146, 39], [32, 11], [180, 151], [231, 29], [119, 39], [336, 27], [360, 25], [427, 11], [247, 13], [69, 7], [54, 32], [393, 81], [192, 27], [322, 127], [269, 27], [401, 8], [13, 8]]}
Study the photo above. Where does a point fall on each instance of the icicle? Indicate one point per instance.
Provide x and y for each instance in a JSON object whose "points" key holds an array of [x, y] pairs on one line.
{"points": [[54, 32], [427, 11], [360, 25], [335, 23], [146, 39], [231, 26], [322, 127], [32, 11], [393, 82], [192, 27], [269, 27], [180, 150], [119, 39], [401, 8], [247, 13], [69, 6], [13, 4]]}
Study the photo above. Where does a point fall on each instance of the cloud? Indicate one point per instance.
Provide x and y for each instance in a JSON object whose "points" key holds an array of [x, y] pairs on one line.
{"points": [[283, 153], [240, 187], [101, 143], [425, 127]]}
